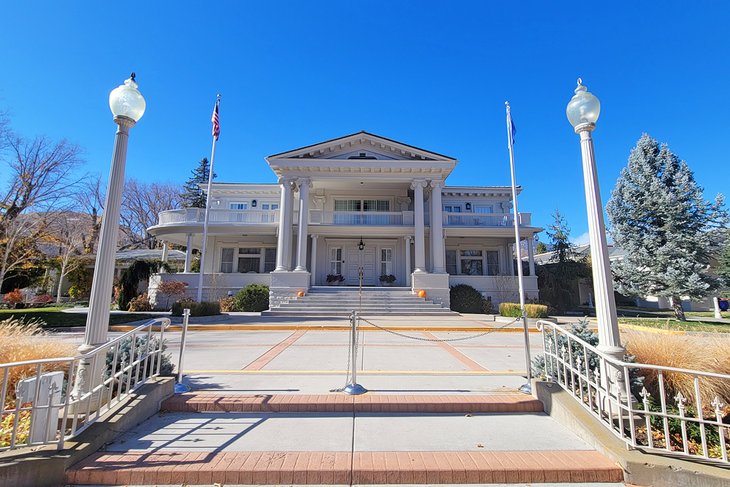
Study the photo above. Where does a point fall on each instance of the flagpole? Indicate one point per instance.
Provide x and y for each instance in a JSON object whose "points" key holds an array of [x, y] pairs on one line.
{"points": [[518, 254], [207, 212]]}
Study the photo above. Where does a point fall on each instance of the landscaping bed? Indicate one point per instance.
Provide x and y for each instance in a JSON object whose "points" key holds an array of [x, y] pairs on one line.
{"points": [[54, 317]]}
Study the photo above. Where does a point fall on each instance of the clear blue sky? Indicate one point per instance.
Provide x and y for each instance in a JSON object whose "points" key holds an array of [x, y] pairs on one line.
{"points": [[431, 74]]}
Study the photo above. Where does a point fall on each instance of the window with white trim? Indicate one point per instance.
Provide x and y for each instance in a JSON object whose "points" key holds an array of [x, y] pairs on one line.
{"points": [[492, 262], [472, 262], [238, 205], [247, 259]]}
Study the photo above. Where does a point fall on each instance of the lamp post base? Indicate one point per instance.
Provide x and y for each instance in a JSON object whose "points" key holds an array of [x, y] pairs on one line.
{"points": [[354, 389]]}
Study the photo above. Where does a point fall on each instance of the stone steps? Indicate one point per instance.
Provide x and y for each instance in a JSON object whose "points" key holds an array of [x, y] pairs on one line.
{"points": [[340, 301], [183, 449], [338, 468]]}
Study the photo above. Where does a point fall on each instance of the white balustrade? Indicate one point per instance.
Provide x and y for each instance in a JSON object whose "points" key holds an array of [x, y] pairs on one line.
{"points": [[464, 219], [197, 215], [319, 217]]}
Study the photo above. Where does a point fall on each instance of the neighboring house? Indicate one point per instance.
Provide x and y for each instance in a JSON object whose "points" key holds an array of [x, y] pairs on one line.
{"points": [[333, 195], [585, 289]]}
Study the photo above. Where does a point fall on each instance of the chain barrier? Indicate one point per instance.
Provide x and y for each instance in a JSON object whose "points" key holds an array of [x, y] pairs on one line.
{"points": [[424, 339], [356, 339]]}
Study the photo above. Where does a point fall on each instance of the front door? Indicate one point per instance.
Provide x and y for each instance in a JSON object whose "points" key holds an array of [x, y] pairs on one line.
{"points": [[357, 259]]}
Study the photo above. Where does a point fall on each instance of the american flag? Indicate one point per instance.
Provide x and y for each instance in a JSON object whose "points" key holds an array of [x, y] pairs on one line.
{"points": [[214, 119]]}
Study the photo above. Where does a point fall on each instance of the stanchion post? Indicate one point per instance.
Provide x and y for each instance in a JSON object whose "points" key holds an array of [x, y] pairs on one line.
{"points": [[180, 387], [527, 388], [353, 388]]}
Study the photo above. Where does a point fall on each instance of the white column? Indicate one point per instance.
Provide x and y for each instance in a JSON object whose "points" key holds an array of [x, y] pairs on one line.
{"points": [[531, 254], [313, 269], [188, 252], [408, 260], [417, 187], [304, 185], [97, 321], [285, 214], [438, 257], [165, 251], [609, 339], [511, 262]]}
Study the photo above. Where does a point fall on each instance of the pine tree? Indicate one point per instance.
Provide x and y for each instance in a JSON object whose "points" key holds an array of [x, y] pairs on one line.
{"points": [[723, 268], [660, 218], [559, 232], [193, 196]]}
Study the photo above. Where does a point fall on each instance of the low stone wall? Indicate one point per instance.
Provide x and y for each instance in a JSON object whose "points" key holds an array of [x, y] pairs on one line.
{"points": [[46, 466], [499, 289], [215, 286]]}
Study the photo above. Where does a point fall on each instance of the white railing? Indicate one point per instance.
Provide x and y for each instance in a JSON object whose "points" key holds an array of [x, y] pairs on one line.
{"points": [[319, 217], [634, 400], [197, 215], [464, 219], [40, 405]]}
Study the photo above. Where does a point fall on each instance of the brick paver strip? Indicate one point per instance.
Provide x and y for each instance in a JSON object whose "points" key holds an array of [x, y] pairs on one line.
{"points": [[454, 352], [367, 403], [274, 351], [334, 468]]}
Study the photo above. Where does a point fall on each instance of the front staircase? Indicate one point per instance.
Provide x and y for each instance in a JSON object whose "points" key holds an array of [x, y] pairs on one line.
{"points": [[214, 438], [341, 301]]}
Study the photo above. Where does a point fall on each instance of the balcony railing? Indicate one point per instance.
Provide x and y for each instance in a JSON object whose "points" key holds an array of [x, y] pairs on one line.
{"points": [[319, 217], [345, 218], [197, 215], [484, 219]]}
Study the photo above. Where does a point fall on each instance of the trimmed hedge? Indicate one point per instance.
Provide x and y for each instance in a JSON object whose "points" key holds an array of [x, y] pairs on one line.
{"points": [[533, 310], [196, 309], [466, 299], [254, 297]]}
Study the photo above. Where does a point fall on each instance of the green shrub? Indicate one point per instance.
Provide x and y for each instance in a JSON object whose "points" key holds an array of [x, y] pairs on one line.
{"points": [[227, 304], [254, 297], [196, 309], [533, 310], [140, 303], [466, 299]]}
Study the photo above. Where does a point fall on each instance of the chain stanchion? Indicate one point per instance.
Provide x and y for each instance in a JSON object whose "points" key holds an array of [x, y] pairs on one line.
{"points": [[180, 387], [423, 339], [353, 388]]}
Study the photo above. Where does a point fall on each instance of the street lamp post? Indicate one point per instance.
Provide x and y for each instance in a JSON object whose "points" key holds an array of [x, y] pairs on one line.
{"points": [[582, 111], [127, 105]]}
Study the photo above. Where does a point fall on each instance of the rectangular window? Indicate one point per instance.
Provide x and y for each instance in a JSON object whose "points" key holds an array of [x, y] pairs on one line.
{"points": [[227, 260], [472, 263], [492, 263], [238, 206], [386, 262], [376, 205], [347, 205], [452, 208], [269, 259], [249, 264], [249, 251], [484, 209], [451, 262]]}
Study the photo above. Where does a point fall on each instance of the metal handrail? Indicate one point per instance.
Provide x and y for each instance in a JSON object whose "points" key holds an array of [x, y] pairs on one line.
{"points": [[601, 383], [65, 395]]}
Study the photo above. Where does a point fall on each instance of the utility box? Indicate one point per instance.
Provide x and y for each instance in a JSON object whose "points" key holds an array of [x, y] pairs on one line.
{"points": [[44, 416]]}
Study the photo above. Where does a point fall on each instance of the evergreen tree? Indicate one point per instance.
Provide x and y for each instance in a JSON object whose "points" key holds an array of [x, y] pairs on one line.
{"points": [[559, 232], [660, 218], [724, 263], [541, 248], [193, 196]]}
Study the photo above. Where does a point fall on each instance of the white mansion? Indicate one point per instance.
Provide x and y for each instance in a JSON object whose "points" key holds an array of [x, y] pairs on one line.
{"points": [[334, 195]]}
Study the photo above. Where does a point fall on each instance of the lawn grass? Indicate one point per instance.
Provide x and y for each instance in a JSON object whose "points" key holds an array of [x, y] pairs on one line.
{"points": [[672, 324], [53, 317]]}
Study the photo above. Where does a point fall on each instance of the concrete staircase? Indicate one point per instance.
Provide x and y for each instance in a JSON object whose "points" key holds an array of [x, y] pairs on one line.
{"points": [[232, 439], [340, 301]]}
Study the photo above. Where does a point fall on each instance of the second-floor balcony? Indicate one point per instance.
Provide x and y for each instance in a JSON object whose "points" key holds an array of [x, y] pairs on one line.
{"points": [[186, 216]]}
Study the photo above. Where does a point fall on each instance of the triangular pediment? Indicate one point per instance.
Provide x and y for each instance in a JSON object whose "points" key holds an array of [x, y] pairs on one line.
{"points": [[362, 146]]}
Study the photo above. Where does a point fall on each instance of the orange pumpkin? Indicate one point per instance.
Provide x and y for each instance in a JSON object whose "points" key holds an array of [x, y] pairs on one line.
{"points": [[421, 293], [300, 294]]}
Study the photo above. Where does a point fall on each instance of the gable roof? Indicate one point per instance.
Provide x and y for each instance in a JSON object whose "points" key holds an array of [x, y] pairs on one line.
{"points": [[361, 138]]}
